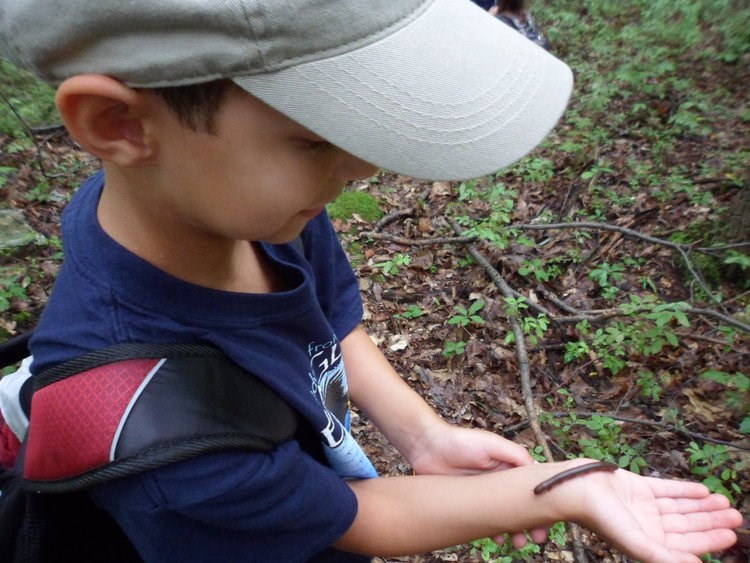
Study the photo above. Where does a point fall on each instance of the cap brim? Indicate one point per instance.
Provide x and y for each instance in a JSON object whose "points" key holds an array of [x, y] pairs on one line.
{"points": [[453, 94]]}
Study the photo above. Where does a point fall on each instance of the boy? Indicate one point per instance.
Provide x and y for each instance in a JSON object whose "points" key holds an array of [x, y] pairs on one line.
{"points": [[515, 13], [224, 128]]}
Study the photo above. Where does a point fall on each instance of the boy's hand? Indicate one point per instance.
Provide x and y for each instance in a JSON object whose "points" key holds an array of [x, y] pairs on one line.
{"points": [[654, 520], [452, 450]]}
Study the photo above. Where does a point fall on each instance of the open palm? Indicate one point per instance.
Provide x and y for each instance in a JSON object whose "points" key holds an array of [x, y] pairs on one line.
{"points": [[657, 520]]}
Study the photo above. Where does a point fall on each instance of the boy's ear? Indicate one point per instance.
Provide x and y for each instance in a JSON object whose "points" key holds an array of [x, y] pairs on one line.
{"points": [[107, 118]]}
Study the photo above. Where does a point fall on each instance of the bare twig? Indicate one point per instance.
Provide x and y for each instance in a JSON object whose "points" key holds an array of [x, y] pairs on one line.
{"points": [[29, 132], [521, 354], [51, 130], [600, 227], [515, 428], [744, 327], [701, 338], [721, 247], [575, 315], [418, 241], [656, 424], [682, 249], [603, 314], [525, 371], [391, 217]]}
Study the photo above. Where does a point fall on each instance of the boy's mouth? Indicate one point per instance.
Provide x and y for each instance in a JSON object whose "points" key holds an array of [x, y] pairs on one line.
{"points": [[312, 212]]}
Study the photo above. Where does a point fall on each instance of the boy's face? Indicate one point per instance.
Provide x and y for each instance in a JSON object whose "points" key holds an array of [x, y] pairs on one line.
{"points": [[260, 176]]}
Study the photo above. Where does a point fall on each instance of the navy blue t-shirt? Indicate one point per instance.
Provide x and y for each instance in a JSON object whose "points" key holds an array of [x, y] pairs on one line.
{"points": [[229, 506]]}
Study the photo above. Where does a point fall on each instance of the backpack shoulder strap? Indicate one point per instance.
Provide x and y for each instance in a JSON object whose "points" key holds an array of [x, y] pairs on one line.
{"points": [[135, 407]]}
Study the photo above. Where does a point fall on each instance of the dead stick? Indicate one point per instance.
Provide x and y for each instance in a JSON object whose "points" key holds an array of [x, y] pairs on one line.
{"points": [[392, 217], [523, 365], [683, 249], [416, 242], [513, 429], [521, 354]]}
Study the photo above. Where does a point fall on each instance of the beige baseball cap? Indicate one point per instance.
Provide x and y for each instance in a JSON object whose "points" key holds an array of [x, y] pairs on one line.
{"points": [[435, 89]]}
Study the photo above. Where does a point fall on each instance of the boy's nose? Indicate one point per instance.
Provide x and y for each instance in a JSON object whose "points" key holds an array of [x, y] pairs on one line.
{"points": [[352, 168]]}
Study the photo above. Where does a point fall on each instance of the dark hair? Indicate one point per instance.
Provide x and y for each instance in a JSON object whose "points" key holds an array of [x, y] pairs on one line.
{"points": [[195, 105]]}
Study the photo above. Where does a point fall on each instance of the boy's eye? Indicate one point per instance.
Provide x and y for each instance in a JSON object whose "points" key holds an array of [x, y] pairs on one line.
{"points": [[314, 144]]}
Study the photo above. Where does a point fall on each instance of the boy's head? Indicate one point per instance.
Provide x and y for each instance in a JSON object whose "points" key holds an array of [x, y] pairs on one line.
{"points": [[429, 88]]}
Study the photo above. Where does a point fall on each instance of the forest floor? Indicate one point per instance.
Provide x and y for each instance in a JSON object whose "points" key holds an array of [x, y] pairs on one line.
{"points": [[661, 387]]}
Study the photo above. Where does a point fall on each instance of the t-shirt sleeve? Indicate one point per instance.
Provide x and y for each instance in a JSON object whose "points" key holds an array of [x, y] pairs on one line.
{"points": [[280, 506], [336, 285]]}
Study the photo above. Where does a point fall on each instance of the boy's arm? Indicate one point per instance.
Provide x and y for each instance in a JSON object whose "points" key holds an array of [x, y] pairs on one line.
{"points": [[652, 520], [431, 445], [465, 498]]}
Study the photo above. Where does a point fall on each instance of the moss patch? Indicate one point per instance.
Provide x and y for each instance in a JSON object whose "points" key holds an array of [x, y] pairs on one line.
{"points": [[350, 203]]}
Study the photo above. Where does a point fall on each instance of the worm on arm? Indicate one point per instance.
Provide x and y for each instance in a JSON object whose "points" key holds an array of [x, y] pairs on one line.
{"points": [[555, 480]]}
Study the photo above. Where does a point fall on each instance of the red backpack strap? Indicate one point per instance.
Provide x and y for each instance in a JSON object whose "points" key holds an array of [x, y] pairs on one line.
{"points": [[134, 407]]}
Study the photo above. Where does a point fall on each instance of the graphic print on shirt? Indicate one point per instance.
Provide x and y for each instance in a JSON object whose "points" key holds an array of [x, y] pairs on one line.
{"points": [[328, 378]]}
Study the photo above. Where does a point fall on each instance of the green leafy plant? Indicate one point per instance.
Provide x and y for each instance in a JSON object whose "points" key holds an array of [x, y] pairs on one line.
{"points": [[5, 172], [391, 267], [27, 98], [533, 327], [12, 287], [542, 270], [607, 275], [464, 317], [608, 443], [650, 385], [412, 312], [493, 228], [741, 259], [451, 349], [515, 305], [737, 393], [492, 552], [714, 464]]}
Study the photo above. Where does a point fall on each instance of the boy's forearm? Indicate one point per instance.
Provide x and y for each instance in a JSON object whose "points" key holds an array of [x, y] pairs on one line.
{"points": [[396, 409], [416, 514]]}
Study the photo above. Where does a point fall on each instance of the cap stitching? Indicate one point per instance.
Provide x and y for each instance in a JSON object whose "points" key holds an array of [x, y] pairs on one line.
{"points": [[437, 104], [367, 38], [251, 29], [285, 63], [479, 125]]}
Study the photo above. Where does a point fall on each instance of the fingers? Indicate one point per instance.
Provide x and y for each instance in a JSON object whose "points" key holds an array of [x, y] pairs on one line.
{"points": [[727, 518], [698, 524], [508, 452], [519, 539], [701, 542], [672, 488], [539, 535], [686, 505]]}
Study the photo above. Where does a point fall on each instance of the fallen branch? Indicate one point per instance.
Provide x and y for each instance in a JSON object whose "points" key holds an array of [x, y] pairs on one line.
{"points": [[723, 318], [630, 420], [683, 249], [416, 242], [391, 217], [721, 247], [603, 314], [575, 315], [521, 354], [29, 132], [658, 424], [52, 130], [525, 371]]}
